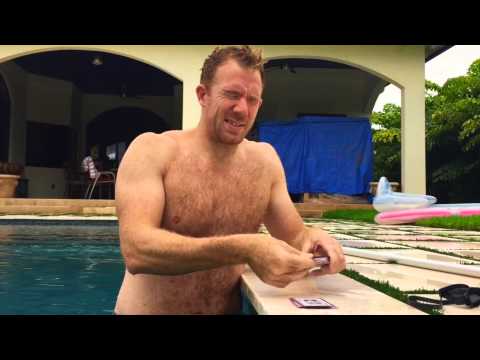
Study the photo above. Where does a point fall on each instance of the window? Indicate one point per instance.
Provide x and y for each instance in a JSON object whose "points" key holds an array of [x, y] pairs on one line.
{"points": [[115, 152], [111, 152]]}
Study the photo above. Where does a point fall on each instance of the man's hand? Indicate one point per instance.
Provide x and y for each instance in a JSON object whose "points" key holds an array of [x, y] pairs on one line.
{"points": [[319, 243], [277, 263]]}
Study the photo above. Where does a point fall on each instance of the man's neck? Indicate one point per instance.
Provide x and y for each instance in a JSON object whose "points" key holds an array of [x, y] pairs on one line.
{"points": [[217, 151]]}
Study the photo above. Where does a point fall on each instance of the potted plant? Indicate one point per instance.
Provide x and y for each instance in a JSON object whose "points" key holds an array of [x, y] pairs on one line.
{"points": [[10, 173]]}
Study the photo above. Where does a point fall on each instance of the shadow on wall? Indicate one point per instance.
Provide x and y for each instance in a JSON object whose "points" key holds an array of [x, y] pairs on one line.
{"points": [[122, 125], [4, 120]]}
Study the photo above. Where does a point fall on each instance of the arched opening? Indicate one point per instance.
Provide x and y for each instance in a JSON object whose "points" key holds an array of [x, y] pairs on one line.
{"points": [[57, 93], [296, 86], [343, 97], [4, 120], [113, 131]]}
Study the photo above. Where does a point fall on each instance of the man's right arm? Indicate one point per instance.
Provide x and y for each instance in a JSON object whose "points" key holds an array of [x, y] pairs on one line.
{"points": [[149, 249]]}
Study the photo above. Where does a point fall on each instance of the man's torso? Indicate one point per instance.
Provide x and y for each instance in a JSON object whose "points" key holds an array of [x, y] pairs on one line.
{"points": [[203, 198]]}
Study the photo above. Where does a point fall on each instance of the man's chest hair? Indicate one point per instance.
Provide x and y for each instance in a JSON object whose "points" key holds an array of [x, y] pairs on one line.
{"points": [[217, 200]]}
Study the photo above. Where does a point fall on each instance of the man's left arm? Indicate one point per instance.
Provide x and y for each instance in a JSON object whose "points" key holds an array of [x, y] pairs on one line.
{"points": [[284, 222]]}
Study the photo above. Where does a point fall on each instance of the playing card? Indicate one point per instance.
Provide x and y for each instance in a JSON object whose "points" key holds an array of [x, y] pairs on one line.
{"points": [[321, 260], [311, 303]]}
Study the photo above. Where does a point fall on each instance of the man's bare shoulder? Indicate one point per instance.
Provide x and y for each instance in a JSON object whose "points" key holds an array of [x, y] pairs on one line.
{"points": [[156, 150], [168, 142], [261, 151]]}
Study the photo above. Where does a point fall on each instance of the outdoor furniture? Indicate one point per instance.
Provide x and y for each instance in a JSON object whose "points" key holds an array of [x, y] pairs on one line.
{"points": [[102, 178], [97, 177]]}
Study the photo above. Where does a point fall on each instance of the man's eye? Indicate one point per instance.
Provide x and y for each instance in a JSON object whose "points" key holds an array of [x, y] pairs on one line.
{"points": [[253, 100], [232, 94]]}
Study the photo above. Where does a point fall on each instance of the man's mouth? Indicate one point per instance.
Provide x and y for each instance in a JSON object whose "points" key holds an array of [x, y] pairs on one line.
{"points": [[235, 123]]}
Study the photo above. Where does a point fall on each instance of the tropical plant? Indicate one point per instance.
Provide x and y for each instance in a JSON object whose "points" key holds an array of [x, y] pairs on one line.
{"points": [[453, 137], [386, 142], [452, 118]]}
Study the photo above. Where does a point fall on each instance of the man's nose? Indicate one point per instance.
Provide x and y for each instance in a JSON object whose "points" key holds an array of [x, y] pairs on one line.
{"points": [[241, 106]]}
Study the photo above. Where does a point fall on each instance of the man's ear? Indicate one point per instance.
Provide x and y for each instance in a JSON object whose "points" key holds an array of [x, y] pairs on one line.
{"points": [[201, 94]]}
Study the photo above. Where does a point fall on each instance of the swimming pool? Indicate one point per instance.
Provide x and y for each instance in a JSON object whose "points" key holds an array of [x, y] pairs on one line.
{"points": [[57, 268], [62, 268]]}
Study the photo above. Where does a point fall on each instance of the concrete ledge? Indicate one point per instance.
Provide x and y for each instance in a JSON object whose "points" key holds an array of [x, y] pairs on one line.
{"points": [[12, 206], [55, 202], [108, 210], [19, 220], [349, 296], [40, 209], [107, 207]]}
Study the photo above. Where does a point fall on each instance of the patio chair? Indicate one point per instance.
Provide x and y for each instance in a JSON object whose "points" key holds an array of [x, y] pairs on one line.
{"points": [[96, 177]]}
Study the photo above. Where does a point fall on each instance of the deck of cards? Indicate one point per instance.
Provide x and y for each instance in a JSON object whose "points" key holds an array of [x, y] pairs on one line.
{"points": [[321, 260], [314, 303], [311, 303]]}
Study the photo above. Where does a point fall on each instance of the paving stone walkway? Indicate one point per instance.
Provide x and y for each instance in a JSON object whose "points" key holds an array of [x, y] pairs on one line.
{"points": [[453, 246]]}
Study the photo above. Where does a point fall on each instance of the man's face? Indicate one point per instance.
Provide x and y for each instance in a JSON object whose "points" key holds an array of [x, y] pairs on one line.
{"points": [[232, 101]]}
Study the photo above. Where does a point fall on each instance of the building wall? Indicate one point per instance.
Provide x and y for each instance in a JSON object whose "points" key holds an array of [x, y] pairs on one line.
{"points": [[94, 105], [46, 100], [16, 80], [44, 182], [181, 61], [77, 146], [49, 100], [402, 65], [392, 63]]}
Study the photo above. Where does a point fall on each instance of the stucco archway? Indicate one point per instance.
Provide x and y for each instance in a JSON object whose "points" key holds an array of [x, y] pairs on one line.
{"points": [[402, 66], [109, 50], [121, 126], [34, 104], [318, 86]]}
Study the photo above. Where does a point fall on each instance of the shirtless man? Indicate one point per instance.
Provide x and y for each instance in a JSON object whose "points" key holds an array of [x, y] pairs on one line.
{"points": [[190, 204]]}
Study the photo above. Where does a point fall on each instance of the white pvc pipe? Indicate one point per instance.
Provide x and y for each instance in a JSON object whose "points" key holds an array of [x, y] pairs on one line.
{"points": [[468, 270]]}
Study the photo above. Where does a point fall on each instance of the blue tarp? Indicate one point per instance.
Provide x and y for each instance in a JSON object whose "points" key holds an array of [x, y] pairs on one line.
{"points": [[323, 154]]}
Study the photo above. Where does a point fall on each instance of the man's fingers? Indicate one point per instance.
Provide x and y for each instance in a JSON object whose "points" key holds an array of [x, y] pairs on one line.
{"points": [[307, 261], [336, 265], [300, 260], [339, 261], [287, 279], [337, 258], [319, 250], [320, 271], [292, 249], [297, 276]]}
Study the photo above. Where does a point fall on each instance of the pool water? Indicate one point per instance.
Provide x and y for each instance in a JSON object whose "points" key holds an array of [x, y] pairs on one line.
{"points": [[59, 269]]}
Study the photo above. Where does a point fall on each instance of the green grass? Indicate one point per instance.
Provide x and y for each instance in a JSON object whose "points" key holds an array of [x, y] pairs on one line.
{"points": [[385, 287], [453, 222], [355, 215], [421, 291]]}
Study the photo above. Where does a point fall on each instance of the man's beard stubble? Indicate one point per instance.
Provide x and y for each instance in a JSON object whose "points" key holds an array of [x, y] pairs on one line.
{"points": [[219, 125]]}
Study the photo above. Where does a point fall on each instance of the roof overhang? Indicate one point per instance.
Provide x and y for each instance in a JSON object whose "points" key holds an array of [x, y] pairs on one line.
{"points": [[432, 51]]}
